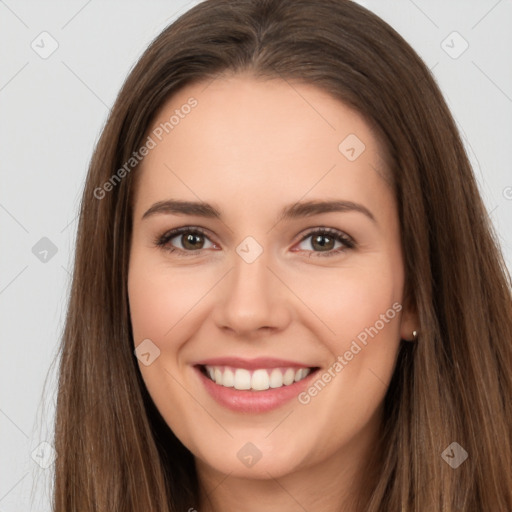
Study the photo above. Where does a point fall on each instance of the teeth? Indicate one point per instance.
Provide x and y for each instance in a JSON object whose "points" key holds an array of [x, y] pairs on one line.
{"points": [[300, 374], [228, 379], [259, 380], [242, 379], [276, 378], [289, 376]]}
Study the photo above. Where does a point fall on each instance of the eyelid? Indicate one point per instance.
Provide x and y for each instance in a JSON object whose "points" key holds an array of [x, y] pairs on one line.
{"points": [[328, 231]]}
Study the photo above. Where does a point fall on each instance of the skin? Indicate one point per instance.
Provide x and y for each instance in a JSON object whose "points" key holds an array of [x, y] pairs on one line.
{"points": [[250, 147]]}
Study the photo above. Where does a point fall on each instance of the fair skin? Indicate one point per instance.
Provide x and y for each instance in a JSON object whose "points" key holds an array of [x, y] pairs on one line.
{"points": [[250, 148]]}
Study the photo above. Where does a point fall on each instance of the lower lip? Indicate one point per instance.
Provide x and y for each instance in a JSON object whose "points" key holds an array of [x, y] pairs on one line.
{"points": [[253, 401]]}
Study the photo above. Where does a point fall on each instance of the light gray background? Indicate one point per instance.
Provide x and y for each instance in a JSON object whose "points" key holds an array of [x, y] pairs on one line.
{"points": [[52, 111]]}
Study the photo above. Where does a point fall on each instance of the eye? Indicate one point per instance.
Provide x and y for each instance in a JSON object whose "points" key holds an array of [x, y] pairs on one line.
{"points": [[185, 240], [190, 240], [323, 242]]}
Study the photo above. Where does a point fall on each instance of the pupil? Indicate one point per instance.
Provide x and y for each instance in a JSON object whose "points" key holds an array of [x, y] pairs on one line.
{"points": [[318, 240], [190, 240]]}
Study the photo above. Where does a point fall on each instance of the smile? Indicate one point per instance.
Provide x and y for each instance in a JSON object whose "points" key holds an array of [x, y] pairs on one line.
{"points": [[253, 386], [260, 379]]}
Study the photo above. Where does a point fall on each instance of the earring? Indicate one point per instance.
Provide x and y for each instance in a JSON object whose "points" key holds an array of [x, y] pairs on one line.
{"points": [[414, 335]]}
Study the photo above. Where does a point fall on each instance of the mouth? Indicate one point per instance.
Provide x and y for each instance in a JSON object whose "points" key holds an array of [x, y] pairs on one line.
{"points": [[256, 386], [260, 379]]}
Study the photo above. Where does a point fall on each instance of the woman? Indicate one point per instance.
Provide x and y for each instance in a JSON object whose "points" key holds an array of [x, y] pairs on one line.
{"points": [[287, 294]]}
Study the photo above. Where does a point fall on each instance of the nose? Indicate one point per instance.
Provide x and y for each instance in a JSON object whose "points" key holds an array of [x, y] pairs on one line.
{"points": [[251, 300]]}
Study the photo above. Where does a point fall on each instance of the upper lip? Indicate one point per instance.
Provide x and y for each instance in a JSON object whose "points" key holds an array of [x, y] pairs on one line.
{"points": [[251, 364]]}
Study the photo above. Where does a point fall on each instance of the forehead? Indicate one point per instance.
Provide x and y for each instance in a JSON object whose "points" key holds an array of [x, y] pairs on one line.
{"points": [[260, 141]]}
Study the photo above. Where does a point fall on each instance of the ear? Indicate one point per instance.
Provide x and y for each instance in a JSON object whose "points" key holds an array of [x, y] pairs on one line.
{"points": [[409, 321]]}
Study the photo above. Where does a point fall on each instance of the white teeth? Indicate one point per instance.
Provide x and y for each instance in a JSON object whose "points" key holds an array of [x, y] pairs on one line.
{"points": [[289, 376], [228, 379], [300, 374], [259, 380], [276, 378], [242, 379]]}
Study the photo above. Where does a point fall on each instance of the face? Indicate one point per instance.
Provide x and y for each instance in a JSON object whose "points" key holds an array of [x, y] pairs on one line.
{"points": [[266, 276]]}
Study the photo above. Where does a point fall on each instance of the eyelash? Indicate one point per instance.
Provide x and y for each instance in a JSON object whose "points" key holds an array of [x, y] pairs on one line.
{"points": [[347, 241]]}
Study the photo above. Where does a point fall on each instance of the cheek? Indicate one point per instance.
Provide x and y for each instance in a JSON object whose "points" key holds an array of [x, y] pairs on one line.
{"points": [[161, 306], [363, 307], [160, 299], [360, 310], [346, 302]]}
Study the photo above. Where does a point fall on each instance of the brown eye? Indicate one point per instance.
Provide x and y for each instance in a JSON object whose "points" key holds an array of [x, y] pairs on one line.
{"points": [[184, 240], [326, 242], [323, 242], [192, 241]]}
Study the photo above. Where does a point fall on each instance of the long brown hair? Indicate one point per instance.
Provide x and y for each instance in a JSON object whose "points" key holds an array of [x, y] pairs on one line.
{"points": [[116, 453]]}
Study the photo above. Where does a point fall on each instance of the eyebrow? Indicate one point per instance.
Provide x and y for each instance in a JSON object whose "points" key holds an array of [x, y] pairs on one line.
{"points": [[293, 211]]}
